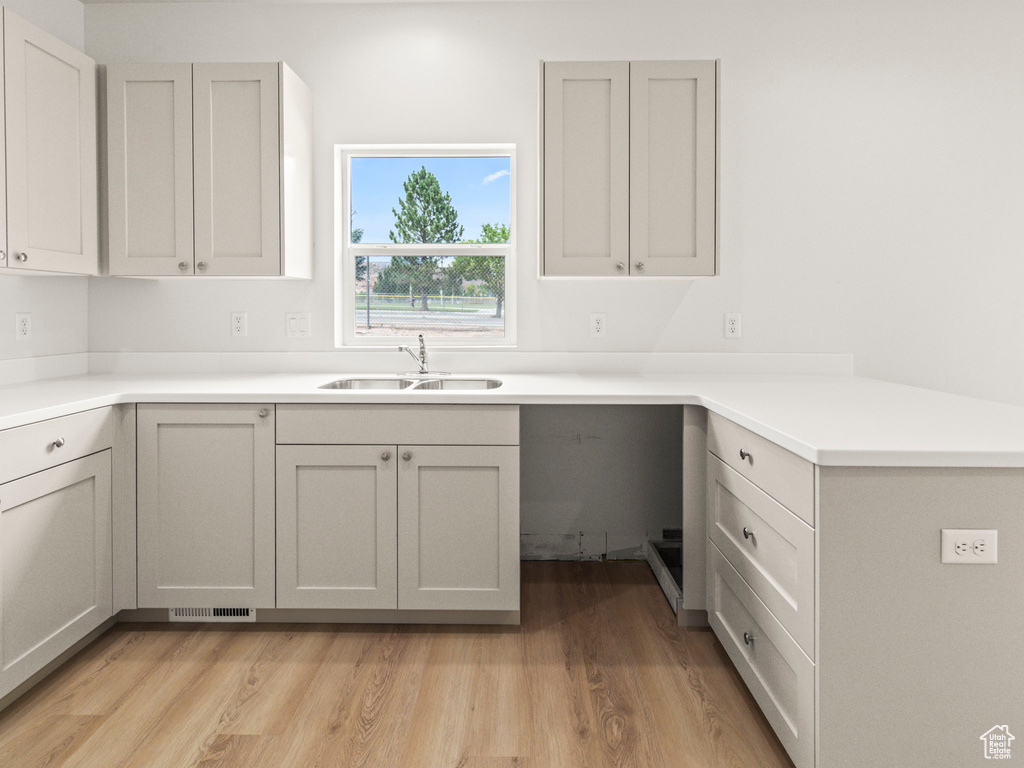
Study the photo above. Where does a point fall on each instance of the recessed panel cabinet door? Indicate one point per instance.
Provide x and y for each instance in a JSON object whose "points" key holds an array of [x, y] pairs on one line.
{"points": [[336, 526], [672, 168], [586, 168], [55, 572], [50, 92], [205, 506], [149, 156], [237, 173], [458, 528]]}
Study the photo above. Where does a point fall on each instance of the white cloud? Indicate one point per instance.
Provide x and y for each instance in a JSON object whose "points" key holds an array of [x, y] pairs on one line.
{"points": [[495, 176]]}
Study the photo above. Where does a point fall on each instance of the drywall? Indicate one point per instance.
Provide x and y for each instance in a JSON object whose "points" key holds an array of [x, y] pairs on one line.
{"points": [[871, 170], [608, 472], [58, 305]]}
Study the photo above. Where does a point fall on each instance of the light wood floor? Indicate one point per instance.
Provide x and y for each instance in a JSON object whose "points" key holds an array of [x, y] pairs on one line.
{"points": [[597, 675]]}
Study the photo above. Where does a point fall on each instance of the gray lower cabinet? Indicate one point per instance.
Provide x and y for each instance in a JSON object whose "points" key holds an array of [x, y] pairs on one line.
{"points": [[761, 576], [55, 573], [458, 527], [417, 522], [336, 526], [205, 506]]}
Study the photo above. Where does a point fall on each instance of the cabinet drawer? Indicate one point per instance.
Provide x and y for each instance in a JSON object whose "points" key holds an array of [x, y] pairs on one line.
{"points": [[394, 424], [770, 547], [781, 474], [46, 444], [777, 672]]}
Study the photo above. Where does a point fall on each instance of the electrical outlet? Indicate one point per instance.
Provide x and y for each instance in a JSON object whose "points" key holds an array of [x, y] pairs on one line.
{"points": [[239, 324], [23, 326], [968, 546], [733, 329], [598, 325]]}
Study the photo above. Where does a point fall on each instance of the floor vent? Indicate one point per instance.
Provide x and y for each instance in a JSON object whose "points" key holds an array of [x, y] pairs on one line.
{"points": [[212, 614]]}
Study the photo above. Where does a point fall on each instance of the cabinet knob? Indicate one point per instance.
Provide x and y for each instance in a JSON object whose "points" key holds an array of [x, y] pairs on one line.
{"points": [[747, 534], [182, 266], [747, 638], [201, 265], [3, 255], [406, 456], [58, 443], [744, 455], [264, 413], [386, 456], [620, 266], [22, 257], [640, 265]]}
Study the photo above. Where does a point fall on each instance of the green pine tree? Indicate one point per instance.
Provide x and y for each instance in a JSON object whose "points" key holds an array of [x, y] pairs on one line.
{"points": [[424, 215]]}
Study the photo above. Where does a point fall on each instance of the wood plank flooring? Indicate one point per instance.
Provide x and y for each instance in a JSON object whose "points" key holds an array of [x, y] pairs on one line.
{"points": [[597, 675]]}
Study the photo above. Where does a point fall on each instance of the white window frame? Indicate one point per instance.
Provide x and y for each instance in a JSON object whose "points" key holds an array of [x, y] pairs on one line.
{"points": [[346, 251]]}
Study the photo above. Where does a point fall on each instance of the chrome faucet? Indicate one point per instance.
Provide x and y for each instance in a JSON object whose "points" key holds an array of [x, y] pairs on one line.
{"points": [[421, 358]]}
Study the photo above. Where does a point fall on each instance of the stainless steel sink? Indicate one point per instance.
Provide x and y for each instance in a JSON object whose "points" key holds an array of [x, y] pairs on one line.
{"points": [[458, 384], [368, 384]]}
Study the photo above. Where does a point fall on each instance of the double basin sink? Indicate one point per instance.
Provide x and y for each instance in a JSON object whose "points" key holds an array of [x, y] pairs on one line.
{"points": [[418, 384]]}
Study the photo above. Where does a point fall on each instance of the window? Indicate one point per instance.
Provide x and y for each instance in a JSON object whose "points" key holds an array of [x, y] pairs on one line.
{"points": [[425, 244]]}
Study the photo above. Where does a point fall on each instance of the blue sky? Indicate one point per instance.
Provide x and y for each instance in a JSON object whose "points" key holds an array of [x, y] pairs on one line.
{"points": [[479, 187]]}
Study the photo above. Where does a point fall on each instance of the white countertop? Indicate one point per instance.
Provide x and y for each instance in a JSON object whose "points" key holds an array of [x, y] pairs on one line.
{"points": [[830, 420]]}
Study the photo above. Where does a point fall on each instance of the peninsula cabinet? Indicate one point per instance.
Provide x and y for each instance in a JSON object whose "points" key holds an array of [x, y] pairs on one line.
{"points": [[629, 168], [209, 170], [826, 588], [48, 219], [55, 540], [410, 507], [205, 485]]}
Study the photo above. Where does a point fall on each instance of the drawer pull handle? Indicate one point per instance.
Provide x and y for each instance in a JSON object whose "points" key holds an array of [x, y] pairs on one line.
{"points": [[406, 456], [744, 455], [747, 638], [264, 413], [22, 257], [386, 456], [747, 533], [58, 443]]}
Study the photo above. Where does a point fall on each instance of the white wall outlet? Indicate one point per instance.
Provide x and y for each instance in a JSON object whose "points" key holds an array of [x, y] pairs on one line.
{"points": [[297, 325], [968, 546], [239, 324], [598, 325], [733, 329], [23, 326]]}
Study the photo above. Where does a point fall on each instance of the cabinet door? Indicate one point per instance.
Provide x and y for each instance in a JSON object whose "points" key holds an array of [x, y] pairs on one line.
{"points": [[458, 528], [586, 168], [206, 506], [236, 116], [336, 526], [672, 167], [149, 157], [55, 574], [51, 152]]}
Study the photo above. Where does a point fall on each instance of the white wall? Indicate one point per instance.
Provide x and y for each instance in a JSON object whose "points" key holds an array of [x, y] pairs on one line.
{"points": [[58, 305], [872, 176]]}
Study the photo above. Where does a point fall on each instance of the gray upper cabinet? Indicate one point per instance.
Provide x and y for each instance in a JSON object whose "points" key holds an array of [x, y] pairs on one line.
{"points": [[48, 220], [209, 169], [630, 168]]}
